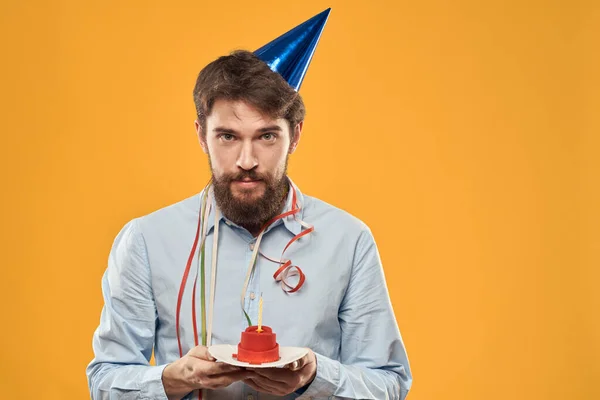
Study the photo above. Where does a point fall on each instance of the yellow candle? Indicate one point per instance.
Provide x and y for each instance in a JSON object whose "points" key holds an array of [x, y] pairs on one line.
{"points": [[260, 305]]}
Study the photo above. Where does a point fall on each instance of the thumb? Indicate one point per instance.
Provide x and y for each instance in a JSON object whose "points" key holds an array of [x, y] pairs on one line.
{"points": [[201, 352]]}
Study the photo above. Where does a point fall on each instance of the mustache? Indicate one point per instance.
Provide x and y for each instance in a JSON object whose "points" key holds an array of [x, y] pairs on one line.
{"points": [[253, 175]]}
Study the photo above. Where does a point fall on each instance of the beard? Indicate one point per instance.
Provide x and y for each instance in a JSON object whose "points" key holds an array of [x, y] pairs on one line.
{"points": [[246, 209]]}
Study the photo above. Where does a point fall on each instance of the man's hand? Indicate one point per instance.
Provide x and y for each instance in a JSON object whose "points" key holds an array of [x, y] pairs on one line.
{"points": [[198, 370], [283, 381]]}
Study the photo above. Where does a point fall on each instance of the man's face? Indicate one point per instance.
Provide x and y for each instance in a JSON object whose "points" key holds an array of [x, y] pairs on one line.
{"points": [[248, 154]]}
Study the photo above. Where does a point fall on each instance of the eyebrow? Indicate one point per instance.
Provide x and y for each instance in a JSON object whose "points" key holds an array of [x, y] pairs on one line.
{"points": [[270, 128]]}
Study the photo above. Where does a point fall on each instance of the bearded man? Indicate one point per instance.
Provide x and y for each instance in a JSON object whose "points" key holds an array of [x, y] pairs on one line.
{"points": [[327, 295]]}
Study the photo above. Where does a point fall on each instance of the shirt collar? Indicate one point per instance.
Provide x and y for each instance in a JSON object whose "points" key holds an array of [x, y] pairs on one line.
{"points": [[289, 222]]}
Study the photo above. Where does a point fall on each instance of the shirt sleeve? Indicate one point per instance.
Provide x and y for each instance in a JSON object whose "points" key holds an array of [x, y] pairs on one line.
{"points": [[373, 362], [124, 340]]}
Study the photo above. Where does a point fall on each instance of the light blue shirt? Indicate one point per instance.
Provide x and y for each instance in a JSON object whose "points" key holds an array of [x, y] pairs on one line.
{"points": [[343, 311]]}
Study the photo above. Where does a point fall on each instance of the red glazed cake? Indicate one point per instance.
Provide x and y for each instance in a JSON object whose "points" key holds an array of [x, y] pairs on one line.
{"points": [[258, 347]]}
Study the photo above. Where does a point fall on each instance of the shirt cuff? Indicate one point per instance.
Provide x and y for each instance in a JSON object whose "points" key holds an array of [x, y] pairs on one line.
{"points": [[152, 385], [326, 380]]}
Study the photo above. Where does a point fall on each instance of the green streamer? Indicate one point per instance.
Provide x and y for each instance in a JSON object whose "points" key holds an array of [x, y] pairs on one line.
{"points": [[247, 318], [202, 280]]}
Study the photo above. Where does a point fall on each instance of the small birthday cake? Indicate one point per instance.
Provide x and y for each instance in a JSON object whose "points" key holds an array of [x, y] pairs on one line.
{"points": [[257, 347]]}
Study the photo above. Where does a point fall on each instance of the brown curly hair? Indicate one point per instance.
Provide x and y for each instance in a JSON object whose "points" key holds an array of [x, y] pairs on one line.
{"points": [[241, 75]]}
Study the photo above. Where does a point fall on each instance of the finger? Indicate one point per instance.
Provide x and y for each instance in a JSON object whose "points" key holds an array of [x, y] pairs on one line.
{"points": [[199, 367], [279, 377], [283, 375], [224, 380], [217, 368], [262, 386], [200, 352], [299, 364], [296, 365], [254, 386]]}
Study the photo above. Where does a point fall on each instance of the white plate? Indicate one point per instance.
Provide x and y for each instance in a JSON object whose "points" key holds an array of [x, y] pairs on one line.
{"points": [[224, 353]]}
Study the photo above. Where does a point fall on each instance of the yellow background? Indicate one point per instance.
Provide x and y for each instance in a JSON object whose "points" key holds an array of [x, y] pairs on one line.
{"points": [[464, 133]]}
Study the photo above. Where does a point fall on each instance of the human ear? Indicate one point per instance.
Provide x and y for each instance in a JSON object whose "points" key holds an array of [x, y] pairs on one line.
{"points": [[201, 137], [296, 137]]}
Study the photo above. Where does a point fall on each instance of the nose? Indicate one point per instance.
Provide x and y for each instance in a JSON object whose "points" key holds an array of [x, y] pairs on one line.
{"points": [[247, 159]]}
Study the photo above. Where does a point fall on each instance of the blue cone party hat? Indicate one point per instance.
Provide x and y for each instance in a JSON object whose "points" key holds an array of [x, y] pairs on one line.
{"points": [[290, 54]]}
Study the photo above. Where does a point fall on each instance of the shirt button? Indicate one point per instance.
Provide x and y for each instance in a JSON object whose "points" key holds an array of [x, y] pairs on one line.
{"points": [[251, 246], [252, 296]]}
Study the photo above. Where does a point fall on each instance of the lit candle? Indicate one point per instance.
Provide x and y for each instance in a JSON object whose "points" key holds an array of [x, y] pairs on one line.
{"points": [[260, 305]]}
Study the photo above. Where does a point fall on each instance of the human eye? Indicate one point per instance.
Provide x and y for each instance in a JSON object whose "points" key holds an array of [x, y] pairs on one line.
{"points": [[269, 137], [226, 137]]}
